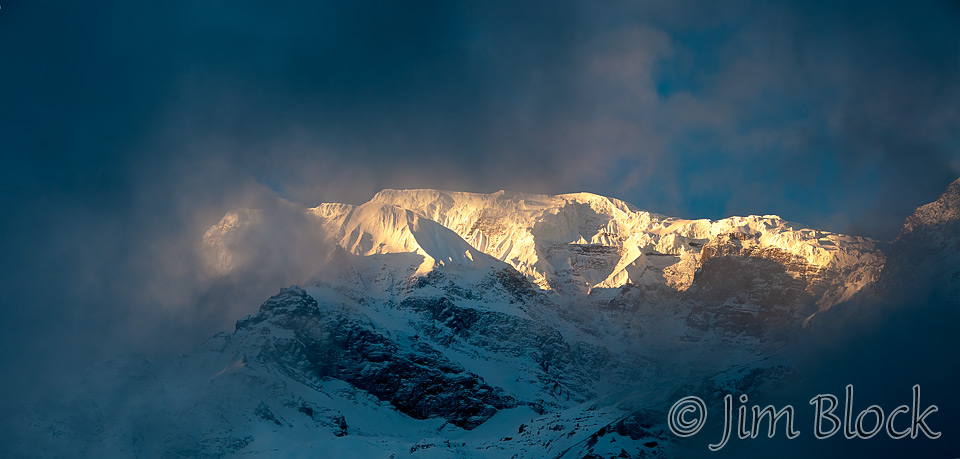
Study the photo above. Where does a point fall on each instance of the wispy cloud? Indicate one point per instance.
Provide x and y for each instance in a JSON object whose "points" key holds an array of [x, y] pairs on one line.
{"points": [[127, 131]]}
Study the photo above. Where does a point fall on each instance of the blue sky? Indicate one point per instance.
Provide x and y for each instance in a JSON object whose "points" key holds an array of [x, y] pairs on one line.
{"points": [[127, 129]]}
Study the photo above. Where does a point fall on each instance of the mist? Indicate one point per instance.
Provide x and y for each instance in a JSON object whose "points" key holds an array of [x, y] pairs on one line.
{"points": [[883, 345], [127, 132]]}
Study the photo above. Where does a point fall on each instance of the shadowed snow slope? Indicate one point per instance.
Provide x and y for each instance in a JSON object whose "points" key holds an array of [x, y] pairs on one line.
{"points": [[375, 228]]}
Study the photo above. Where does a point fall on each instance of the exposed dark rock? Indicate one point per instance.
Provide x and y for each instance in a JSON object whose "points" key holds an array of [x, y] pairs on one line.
{"points": [[419, 382], [263, 412]]}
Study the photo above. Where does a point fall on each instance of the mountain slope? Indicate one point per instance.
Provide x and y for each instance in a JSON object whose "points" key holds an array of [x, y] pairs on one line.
{"points": [[577, 243], [494, 325], [585, 241]]}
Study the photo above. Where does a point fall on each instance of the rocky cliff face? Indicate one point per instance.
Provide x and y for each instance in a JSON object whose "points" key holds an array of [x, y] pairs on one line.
{"points": [[310, 345]]}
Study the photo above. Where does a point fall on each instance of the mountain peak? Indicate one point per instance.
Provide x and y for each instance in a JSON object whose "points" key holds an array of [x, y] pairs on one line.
{"points": [[579, 242], [944, 211], [575, 243]]}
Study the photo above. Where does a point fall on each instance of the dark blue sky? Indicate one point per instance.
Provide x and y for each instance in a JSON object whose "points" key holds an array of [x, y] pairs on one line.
{"points": [[126, 128], [842, 117]]}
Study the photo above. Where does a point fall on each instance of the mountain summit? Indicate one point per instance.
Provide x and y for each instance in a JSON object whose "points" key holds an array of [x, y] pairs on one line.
{"points": [[580, 243]]}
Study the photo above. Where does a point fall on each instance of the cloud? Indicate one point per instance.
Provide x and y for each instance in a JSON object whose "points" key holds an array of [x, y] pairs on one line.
{"points": [[127, 132]]}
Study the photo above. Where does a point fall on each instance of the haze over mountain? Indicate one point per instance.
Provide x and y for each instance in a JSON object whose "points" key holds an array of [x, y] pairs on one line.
{"points": [[513, 325]]}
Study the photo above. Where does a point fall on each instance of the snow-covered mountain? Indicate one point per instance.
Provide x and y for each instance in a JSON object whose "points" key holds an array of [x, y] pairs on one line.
{"points": [[583, 241], [577, 243], [449, 324]]}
